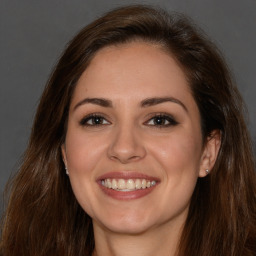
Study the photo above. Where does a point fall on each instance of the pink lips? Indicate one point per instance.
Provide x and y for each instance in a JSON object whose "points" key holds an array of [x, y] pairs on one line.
{"points": [[126, 195]]}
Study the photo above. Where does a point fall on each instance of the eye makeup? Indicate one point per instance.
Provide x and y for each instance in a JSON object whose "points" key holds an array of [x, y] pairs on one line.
{"points": [[156, 120], [94, 119]]}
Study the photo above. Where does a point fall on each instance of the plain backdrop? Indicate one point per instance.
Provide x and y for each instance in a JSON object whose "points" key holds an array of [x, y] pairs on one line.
{"points": [[34, 33]]}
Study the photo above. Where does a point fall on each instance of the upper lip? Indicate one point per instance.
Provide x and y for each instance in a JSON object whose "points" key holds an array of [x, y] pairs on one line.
{"points": [[126, 175]]}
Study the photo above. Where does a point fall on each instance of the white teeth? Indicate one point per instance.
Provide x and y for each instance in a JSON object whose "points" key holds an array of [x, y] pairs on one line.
{"points": [[130, 184], [153, 183], [143, 184], [138, 184], [121, 184], [114, 184], [109, 183], [127, 185]]}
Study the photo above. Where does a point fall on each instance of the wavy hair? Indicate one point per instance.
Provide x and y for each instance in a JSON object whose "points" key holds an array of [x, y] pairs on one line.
{"points": [[43, 216]]}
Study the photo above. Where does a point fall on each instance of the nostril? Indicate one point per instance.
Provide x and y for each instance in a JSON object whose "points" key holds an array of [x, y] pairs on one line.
{"points": [[123, 159], [126, 146]]}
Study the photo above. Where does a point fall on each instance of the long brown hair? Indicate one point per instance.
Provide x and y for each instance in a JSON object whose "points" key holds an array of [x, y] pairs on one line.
{"points": [[43, 216]]}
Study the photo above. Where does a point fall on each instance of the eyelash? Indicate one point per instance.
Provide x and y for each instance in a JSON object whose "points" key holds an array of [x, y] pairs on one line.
{"points": [[162, 117], [92, 118], [85, 120]]}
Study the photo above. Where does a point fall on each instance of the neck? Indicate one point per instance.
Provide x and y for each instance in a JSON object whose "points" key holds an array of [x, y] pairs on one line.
{"points": [[162, 241]]}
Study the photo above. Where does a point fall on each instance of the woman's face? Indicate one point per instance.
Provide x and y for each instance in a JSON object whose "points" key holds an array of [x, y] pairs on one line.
{"points": [[133, 146]]}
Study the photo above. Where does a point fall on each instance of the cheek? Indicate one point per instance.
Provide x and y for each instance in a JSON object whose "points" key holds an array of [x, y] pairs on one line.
{"points": [[179, 152], [83, 152], [179, 159]]}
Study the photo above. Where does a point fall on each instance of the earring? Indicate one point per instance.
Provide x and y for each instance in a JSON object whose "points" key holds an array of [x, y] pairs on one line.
{"points": [[207, 171], [66, 170]]}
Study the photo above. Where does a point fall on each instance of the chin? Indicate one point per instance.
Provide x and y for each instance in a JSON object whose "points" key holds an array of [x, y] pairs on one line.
{"points": [[128, 228], [125, 224]]}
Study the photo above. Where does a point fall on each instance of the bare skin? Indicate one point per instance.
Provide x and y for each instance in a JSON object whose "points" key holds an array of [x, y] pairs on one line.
{"points": [[133, 115]]}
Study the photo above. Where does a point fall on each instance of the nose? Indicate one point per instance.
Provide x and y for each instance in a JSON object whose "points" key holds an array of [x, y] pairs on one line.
{"points": [[126, 146]]}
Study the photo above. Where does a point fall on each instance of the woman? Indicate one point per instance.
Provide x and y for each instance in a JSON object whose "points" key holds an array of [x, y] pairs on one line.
{"points": [[139, 147]]}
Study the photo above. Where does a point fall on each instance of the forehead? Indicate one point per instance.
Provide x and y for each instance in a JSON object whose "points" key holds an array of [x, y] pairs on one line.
{"points": [[127, 68]]}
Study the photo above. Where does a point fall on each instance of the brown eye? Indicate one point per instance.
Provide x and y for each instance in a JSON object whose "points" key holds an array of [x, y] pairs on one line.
{"points": [[94, 120], [162, 121]]}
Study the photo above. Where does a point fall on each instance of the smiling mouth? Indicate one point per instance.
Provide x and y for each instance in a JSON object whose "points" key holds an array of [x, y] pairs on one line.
{"points": [[127, 185]]}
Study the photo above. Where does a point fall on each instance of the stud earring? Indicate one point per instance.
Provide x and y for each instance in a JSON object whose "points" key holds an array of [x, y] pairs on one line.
{"points": [[66, 170], [207, 171]]}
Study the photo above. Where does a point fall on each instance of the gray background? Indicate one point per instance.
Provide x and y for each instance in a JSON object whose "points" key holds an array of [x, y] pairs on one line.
{"points": [[34, 33]]}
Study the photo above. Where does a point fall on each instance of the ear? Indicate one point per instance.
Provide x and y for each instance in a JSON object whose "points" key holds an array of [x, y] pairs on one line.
{"points": [[210, 152], [63, 153]]}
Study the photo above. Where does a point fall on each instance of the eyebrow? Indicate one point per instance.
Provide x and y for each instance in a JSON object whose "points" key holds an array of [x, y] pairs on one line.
{"points": [[154, 101], [145, 103], [97, 101]]}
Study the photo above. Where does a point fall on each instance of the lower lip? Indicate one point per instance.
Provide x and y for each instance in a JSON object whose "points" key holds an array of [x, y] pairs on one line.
{"points": [[127, 195]]}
